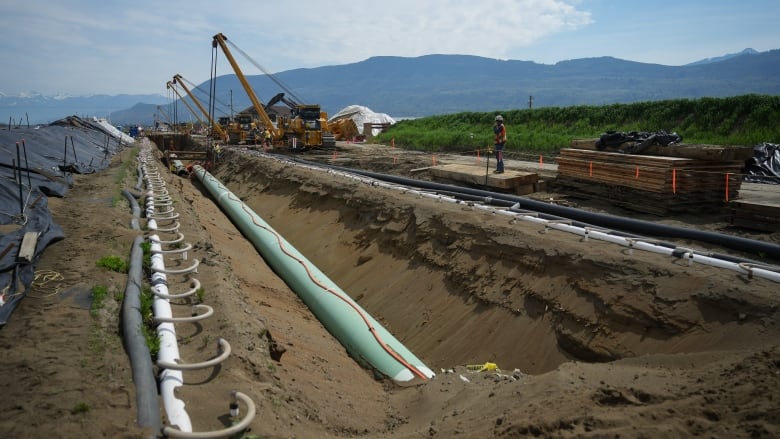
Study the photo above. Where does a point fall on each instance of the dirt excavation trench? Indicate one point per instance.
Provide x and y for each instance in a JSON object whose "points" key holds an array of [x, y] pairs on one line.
{"points": [[590, 340], [460, 286]]}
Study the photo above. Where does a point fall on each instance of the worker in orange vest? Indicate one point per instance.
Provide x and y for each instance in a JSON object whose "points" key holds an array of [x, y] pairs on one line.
{"points": [[499, 141]]}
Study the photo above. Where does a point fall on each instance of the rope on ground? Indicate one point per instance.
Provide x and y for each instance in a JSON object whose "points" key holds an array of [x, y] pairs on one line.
{"points": [[48, 282]]}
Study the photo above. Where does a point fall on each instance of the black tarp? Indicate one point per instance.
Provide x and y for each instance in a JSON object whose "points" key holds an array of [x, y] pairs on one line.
{"points": [[39, 162], [634, 142], [764, 166]]}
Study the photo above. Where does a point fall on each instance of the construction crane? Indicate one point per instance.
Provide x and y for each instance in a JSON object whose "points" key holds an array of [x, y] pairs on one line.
{"points": [[304, 130], [170, 85], [165, 115], [218, 133]]}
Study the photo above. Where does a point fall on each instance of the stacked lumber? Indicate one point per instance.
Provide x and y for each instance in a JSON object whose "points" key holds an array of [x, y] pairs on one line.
{"points": [[651, 184], [519, 182], [756, 215], [683, 150]]}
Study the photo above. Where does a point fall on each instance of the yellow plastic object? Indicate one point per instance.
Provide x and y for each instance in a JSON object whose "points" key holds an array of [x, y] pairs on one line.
{"points": [[483, 367]]}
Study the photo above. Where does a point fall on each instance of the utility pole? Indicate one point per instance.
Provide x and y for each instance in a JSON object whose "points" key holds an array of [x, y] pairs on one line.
{"points": [[231, 104], [530, 102]]}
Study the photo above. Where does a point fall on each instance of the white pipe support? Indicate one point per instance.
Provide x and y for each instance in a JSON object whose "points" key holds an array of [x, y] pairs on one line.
{"points": [[193, 318], [231, 431], [187, 247], [159, 216], [161, 213], [191, 269], [170, 379], [756, 270], [155, 190], [195, 286], [223, 352], [179, 238], [163, 197], [173, 229], [163, 203]]}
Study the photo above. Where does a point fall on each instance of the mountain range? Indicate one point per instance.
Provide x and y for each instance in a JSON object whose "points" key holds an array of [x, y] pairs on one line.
{"points": [[441, 84]]}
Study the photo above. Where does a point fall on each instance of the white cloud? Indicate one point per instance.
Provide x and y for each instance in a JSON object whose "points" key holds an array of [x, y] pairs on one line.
{"points": [[340, 31]]}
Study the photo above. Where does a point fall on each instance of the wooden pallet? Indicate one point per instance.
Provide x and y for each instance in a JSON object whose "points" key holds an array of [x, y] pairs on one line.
{"points": [[519, 182]]}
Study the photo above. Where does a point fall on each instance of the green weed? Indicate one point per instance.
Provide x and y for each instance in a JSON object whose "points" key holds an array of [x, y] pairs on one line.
{"points": [[81, 407], [99, 293], [113, 263], [149, 325]]}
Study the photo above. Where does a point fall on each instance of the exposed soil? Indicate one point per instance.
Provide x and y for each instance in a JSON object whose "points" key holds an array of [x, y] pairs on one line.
{"points": [[591, 340]]}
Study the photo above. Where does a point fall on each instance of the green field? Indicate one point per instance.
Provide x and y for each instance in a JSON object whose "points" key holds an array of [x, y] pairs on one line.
{"points": [[741, 120]]}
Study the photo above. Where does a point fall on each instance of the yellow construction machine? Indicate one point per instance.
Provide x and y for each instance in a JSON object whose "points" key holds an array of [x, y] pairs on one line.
{"points": [[343, 129], [218, 132], [304, 128]]}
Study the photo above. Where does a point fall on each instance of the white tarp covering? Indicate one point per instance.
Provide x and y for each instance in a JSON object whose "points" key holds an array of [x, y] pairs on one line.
{"points": [[361, 115], [113, 130]]}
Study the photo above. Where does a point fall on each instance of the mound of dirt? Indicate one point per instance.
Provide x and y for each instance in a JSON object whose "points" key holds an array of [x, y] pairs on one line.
{"points": [[591, 340]]}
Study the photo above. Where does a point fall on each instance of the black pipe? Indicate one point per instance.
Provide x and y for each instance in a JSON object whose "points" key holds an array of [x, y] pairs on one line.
{"points": [[592, 219], [134, 208], [147, 401]]}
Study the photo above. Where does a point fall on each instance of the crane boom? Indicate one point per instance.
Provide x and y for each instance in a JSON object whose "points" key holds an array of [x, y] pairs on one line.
{"points": [[304, 129], [220, 40], [177, 79], [171, 86], [165, 115]]}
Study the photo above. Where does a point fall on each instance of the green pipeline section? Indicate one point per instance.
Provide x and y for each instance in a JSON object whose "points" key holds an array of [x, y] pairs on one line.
{"points": [[363, 337]]}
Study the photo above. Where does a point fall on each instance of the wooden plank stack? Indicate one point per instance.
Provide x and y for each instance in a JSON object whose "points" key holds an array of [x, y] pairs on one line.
{"points": [[649, 183], [760, 216], [519, 182]]}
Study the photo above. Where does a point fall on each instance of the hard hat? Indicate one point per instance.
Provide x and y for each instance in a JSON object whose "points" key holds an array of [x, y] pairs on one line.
{"points": [[499, 118]]}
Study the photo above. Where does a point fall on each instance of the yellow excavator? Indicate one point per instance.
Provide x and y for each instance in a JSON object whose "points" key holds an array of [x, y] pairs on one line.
{"points": [[304, 128]]}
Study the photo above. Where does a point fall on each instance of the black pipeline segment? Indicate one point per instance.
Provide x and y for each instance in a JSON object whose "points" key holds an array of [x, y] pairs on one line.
{"points": [[591, 219], [146, 398]]}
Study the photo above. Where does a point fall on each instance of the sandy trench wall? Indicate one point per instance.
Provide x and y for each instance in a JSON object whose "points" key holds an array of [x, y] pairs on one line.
{"points": [[458, 286]]}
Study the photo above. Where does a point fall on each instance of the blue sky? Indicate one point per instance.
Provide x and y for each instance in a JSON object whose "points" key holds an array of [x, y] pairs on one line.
{"points": [[80, 47]]}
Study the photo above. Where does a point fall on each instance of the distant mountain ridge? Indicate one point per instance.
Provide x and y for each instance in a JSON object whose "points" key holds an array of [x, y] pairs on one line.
{"points": [[747, 51], [442, 84], [37, 108]]}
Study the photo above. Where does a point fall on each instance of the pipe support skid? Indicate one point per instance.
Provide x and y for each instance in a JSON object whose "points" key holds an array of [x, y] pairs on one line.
{"points": [[362, 336]]}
